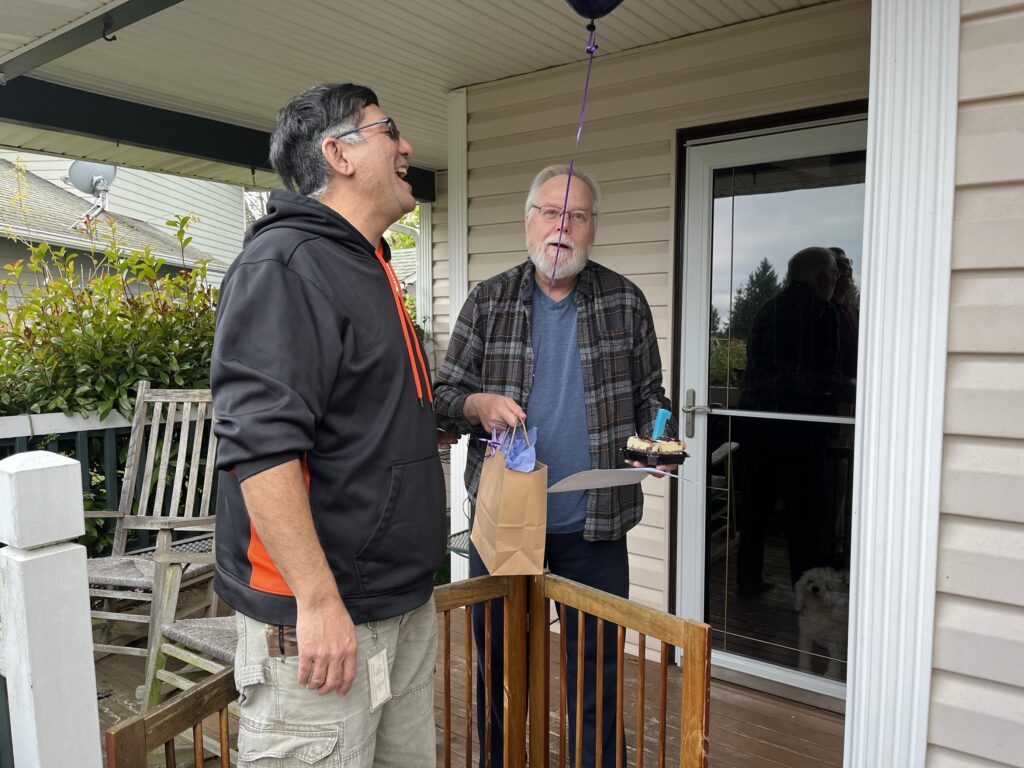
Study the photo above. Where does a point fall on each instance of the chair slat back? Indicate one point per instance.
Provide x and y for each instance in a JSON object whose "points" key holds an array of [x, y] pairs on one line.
{"points": [[171, 441], [197, 447], [147, 471], [166, 444], [211, 463], [179, 465]]}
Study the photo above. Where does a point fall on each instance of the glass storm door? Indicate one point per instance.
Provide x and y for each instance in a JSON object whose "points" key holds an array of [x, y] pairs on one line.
{"points": [[772, 257]]}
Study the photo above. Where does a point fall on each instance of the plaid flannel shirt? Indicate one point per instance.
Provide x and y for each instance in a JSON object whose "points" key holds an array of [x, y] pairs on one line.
{"points": [[490, 350]]}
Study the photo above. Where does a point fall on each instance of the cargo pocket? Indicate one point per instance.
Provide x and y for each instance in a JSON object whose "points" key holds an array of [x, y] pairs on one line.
{"points": [[256, 685], [253, 674], [288, 746]]}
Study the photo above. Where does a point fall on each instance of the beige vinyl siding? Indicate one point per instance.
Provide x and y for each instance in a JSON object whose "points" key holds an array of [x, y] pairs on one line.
{"points": [[977, 712], [638, 100]]}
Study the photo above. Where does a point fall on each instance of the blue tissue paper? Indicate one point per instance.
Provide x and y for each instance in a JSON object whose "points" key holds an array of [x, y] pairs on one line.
{"points": [[520, 449]]}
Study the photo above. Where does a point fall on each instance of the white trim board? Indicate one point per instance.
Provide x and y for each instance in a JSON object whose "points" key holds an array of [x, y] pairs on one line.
{"points": [[458, 263], [794, 680], [424, 290], [901, 375]]}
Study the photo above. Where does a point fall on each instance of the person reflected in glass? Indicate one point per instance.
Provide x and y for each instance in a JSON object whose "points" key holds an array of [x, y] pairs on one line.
{"points": [[793, 366], [844, 299]]}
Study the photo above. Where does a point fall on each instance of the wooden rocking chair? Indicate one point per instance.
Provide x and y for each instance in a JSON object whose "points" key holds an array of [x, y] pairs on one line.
{"points": [[168, 488]]}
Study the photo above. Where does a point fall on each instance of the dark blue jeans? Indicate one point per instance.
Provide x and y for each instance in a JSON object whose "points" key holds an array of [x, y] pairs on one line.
{"points": [[603, 565]]}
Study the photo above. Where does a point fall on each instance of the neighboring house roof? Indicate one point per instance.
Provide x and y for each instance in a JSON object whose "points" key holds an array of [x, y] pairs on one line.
{"points": [[404, 263], [45, 212]]}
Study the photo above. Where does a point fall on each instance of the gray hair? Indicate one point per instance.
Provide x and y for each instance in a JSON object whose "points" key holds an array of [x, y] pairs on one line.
{"points": [[303, 124], [551, 172]]}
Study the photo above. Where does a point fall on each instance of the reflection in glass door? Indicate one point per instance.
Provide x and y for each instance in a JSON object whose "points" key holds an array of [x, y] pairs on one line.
{"points": [[771, 279]]}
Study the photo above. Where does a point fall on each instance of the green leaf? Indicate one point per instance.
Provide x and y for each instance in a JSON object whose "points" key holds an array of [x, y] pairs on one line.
{"points": [[86, 327]]}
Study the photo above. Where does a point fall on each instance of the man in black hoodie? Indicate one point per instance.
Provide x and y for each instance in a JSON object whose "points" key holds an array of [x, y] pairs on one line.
{"points": [[330, 516]]}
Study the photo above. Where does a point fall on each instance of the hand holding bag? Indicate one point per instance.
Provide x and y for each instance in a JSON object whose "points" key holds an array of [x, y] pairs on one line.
{"points": [[510, 523]]}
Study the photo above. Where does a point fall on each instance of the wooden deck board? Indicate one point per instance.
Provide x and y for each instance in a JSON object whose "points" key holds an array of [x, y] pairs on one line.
{"points": [[748, 729]]}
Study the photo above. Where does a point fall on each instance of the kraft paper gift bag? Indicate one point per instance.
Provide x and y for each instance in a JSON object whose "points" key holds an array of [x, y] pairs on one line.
{"points": [[511, 517]]}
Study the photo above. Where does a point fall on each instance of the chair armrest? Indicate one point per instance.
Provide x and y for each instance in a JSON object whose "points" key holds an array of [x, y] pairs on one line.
{"points": [[102, 513], [185, 558], [169, 523]]}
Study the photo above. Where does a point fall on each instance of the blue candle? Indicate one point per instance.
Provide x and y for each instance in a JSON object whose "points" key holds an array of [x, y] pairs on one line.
{"points": [[660, 422]]}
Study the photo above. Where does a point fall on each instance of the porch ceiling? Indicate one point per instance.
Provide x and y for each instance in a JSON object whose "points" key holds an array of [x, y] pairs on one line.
{"points": [[238, 61]]}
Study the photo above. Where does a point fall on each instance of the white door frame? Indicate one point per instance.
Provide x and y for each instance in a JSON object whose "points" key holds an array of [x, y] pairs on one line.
{"points": [[844, 135]]}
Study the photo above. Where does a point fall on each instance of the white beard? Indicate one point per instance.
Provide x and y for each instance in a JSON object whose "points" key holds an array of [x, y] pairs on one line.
{"points": [[569, 265]]}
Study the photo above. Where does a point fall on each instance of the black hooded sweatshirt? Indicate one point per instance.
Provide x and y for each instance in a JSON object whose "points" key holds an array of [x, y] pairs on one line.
{"points": [[312, 361]]}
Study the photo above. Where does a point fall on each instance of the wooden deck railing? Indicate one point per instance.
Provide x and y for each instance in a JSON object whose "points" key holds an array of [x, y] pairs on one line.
{"points": [[526, 661], [691, 637], [129, 741], [464, 595]]}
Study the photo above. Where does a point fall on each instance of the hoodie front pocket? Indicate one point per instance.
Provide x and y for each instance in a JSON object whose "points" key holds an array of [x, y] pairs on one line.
{"points": [[408, 542]]}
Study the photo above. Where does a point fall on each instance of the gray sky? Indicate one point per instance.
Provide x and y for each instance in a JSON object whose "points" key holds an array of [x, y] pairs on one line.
{"points": [[749, 228]]}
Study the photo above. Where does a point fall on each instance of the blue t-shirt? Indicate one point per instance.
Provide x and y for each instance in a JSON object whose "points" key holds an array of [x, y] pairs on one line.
{"points": [[557, 408]]}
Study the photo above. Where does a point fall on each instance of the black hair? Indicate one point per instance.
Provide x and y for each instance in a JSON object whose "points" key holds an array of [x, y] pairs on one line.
{"points": [[302, 125]]}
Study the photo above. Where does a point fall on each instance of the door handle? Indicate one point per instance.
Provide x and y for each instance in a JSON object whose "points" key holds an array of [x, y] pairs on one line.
{"points": [[691, 408], [700, 408]]}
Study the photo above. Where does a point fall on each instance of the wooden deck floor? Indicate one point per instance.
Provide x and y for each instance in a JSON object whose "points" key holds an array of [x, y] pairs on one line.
{"points": [[748, 728]]}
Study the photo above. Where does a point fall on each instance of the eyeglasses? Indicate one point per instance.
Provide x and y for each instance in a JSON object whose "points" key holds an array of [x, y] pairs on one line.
{"points": [[392, 128], [551, 214]]}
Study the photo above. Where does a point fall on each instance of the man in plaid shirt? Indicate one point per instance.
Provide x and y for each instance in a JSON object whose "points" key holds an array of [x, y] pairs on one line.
{"points": [[569, 347]]}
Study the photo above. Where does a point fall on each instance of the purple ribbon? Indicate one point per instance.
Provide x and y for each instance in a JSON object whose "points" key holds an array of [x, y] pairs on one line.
{"points": [[494, 443], [591, 49]]}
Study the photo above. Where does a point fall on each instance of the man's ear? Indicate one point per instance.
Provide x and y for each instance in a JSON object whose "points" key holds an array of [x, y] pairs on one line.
{"points": [[338, 156]]}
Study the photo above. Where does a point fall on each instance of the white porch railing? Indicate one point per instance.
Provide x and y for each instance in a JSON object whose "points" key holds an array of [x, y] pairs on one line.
{"points": [[45, 631], [72, 435]]}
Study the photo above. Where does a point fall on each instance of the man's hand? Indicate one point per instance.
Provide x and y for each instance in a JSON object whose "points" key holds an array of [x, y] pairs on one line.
{"points": [[278, 505], [327, 646], [493, 412], [446, 439]]}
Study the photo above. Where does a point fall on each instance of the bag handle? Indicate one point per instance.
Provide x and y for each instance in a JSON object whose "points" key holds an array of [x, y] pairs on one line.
{"points": [[498, 441], [526, 437]]}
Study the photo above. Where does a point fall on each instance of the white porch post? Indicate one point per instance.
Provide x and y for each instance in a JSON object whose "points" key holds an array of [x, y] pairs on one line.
{"points": [[44, 605], [906, 273], [458, 262], [425, 279]]}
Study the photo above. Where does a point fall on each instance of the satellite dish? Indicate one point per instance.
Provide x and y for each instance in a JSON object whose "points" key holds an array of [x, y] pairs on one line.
{"points": [[92, 178]]}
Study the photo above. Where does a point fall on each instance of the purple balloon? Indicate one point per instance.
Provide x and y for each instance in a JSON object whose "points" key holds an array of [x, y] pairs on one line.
{"points": [[594, 9]]}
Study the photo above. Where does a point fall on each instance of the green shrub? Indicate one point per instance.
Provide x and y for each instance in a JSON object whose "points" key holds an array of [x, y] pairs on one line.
{"points": [[410, 305], [77, 331], [728, 359]]}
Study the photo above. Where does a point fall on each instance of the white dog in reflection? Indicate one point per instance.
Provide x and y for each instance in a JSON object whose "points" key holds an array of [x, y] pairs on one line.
{"points": [[822, 602]]}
